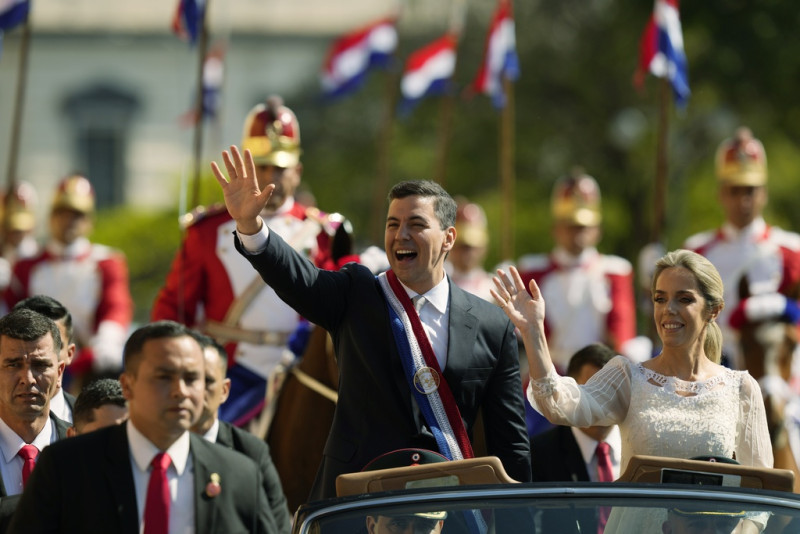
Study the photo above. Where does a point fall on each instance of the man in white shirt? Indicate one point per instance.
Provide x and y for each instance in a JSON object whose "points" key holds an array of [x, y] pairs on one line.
{"points": [[62, 402], [216, 431], [103, 481], [29, 372]]}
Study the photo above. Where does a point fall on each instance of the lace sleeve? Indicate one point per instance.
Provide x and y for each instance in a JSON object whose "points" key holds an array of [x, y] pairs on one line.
{"points": [[753, 445], [603, 400]]}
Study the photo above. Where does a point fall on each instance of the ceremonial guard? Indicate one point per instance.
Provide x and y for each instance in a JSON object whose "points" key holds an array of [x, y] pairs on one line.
{"points": [[589, 295], [89, 279], [745, 248], [211, 287], [465, 262], [18, 223]]}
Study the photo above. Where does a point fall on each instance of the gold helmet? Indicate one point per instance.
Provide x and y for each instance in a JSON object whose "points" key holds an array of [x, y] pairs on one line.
{"points": [[471, 225], [741, 160], [272, 134], [74, 192], [19, 207], [576, 200]]}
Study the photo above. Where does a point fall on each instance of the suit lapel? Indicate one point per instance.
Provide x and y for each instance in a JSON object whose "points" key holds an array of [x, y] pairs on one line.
{"points": [[120, 479], [61, 427], [572, 455], [225, 435], [204, 509], [462, 332]]}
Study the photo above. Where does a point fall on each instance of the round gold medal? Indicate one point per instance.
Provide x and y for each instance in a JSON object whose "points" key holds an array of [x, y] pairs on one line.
{"points": [[426, 380]]}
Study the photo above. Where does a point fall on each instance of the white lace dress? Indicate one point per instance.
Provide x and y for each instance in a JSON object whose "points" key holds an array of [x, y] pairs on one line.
{"points": [[662, 416]]}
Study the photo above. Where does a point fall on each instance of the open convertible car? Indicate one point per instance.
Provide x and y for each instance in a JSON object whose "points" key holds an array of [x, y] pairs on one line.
{"points": [[654, 495]]}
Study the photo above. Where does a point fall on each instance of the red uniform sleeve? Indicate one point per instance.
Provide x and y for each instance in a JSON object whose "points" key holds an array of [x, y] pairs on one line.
{"points": [[116, 303], [621, 320], [183, 290]]}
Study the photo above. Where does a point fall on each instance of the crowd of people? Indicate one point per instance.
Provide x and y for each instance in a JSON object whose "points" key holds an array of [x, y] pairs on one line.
{"points": [[167, 429]]}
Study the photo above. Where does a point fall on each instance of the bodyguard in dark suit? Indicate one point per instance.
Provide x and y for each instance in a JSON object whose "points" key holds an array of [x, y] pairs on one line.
{"points": [[473, 341], [210, 427], [29, 374], [101, 481]]}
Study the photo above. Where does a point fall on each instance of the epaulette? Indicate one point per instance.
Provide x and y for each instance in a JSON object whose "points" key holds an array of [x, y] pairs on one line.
{"points": [[200, 213]]}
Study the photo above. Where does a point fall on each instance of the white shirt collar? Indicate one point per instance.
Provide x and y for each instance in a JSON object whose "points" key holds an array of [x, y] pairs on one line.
{"points": [[143, 451], [212, 433], [11, 443], [565, 259], [59, 406], [438, 295], [588, 445]]}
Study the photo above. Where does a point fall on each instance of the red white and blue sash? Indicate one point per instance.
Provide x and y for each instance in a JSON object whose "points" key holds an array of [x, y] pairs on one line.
{"points": [[422, 371]]}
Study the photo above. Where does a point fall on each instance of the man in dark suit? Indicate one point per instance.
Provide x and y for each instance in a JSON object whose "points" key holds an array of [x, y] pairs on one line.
{"points": [[62, 403], [567, 454], [103, 481], [470, 339], [210, 427], [29, 373]]}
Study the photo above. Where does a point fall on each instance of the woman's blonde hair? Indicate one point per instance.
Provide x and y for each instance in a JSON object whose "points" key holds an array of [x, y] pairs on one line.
{"points": [[711, 288]]}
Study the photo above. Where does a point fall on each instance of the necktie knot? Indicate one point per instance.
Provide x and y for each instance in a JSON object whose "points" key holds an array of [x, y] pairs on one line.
{"points": [[28, 453], [161, 461]]}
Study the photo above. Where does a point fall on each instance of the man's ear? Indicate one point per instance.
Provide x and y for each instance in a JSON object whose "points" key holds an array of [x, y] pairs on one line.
{"points": [[71, 432], [226, 389], [71, 352], [125, 382], [449, 239]]}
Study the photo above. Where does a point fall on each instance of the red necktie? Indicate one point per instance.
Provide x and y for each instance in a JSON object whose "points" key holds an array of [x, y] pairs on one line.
{"points": [[156, 507], [604, 474], [28, 453]]}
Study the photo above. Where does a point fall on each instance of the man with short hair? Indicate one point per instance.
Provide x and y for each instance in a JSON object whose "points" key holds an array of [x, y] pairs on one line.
{"points": [[418, 357], [100, 404], [29, 372], [210, 427], [150, 472], [62, 402]]}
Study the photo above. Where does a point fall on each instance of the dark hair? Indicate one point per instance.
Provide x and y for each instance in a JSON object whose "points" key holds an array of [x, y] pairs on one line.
{"points": [[49, 307], [133, 347], [595, 354], [95, 395], [443, 206], [207, 342], [28, 325]]}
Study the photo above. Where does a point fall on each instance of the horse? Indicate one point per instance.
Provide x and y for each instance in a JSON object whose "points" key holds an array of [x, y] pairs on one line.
{"points": [[303, 416]]}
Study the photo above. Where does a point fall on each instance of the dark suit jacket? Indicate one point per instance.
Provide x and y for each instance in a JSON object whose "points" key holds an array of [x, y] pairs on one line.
{"points": [[556, 457], [9, 504], [85, 484], [69, 398], [374, 413], [258, 451]]}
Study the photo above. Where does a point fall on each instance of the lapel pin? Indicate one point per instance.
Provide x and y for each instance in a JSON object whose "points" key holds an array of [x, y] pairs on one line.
{"points": [[213, 488]]}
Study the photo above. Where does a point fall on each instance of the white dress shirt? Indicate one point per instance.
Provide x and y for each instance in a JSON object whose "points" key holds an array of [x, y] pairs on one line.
{"points": [[212, 433], [180, 477], [10, 444], [59, 406], [588, 445]]}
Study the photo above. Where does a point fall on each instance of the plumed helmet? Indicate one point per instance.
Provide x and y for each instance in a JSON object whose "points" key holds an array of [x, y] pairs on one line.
{"points": [[741, 160], [74, 192], [471, 225], [19, 207], [272, 134], [576, 200]]}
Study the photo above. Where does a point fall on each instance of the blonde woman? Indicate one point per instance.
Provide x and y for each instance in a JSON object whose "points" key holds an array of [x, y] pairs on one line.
{"points": [[681, 403]]}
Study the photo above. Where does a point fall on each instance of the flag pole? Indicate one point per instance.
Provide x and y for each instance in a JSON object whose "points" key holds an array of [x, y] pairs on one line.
{"points": [[507, 175], [457, 16], [19, 104], [384, 149], [202, 50], [16, 123], [660, 189]]}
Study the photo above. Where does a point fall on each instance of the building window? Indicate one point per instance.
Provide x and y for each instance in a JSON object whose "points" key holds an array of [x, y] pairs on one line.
{"points": [[100, 118]]}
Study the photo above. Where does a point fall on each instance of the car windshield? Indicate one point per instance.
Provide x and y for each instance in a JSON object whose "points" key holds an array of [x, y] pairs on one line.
{"points": [[578, 509]]}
